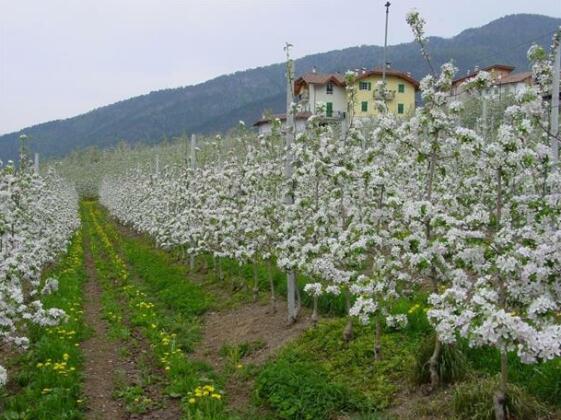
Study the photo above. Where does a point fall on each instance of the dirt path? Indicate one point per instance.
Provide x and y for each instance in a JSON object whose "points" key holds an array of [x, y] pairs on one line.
{"points": [[251, 325], [100, 354], [238, 324], [122, 380]]}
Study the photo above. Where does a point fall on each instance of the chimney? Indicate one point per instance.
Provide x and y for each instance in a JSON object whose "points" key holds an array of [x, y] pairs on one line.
{"points": [[388, 64], [314, 69]]}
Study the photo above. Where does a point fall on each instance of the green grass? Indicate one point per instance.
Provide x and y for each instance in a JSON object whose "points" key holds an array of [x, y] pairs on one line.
{"points": [[319, 375], [474, 400], [321, 357], [300, 389], [48, 377], [163, 306], [541, 380]]}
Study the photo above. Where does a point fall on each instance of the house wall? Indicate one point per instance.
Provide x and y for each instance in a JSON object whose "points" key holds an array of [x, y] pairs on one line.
{"points": [[510, 88], [406, 98], [338, 98]]}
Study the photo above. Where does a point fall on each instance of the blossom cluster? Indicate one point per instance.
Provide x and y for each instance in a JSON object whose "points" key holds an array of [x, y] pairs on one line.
{"points": [[380, 208], [38, 215]]}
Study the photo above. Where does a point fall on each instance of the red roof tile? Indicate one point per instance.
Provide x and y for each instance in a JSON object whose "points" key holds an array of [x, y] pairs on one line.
{"points": [[389, 72]]}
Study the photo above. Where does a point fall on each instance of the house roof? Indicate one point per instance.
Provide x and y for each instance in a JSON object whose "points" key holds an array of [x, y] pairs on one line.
{"points": [[506, 67], [282, 117], [339, 79], [389, 72], [318, 79], [515, 78]]}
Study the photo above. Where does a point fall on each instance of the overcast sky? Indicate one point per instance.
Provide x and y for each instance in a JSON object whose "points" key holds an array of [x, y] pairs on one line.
{"points": [[60, 58]]}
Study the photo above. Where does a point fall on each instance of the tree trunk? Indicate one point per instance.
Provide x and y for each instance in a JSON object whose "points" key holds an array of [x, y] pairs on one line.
{"points": [[435, 357], [192, 263], [272, 285], [378, 340], [291, 297], [501, 409], [315, 312], [298, 298], [255, 282], [433, 364], [348, 331]]}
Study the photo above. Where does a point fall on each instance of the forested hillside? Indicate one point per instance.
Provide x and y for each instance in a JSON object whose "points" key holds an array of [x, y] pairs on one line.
{"points": [[217, 104]]}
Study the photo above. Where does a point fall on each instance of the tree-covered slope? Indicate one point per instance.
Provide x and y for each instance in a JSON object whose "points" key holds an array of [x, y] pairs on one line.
{"points": [[217, 104]]}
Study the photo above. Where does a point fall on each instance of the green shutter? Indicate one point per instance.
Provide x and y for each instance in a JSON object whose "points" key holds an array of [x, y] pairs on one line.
{"points": [[401, 88], [369, 86], [329, 109], [364, 106], [400, 108]]}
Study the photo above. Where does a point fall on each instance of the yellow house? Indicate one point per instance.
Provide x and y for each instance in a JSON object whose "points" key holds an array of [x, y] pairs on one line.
{"points": [[401, 92]]}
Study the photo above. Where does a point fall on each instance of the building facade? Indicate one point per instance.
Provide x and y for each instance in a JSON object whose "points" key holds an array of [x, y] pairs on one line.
{"points": [[400, 87], [326, 95], [504, 81], [315, 90]]}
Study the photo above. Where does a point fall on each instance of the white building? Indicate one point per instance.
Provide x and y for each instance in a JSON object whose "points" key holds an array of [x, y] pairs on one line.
{"points": [[313, 90], [504, 81], [265, 124]]}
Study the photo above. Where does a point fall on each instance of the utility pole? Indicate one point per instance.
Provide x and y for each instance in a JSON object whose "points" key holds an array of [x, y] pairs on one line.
{"points": [[289, 198], [387, 6], [554, 117]]}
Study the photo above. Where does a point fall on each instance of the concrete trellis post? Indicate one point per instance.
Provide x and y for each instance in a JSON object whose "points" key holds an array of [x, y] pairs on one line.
{"points": [[36, 163], [292, 293], [193, 155], [193, 167], [484, 113]]}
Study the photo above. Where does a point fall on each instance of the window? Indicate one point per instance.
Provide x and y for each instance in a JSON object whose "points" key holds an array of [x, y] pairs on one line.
{"points": [[400, 108], [329, 88], [401, 88], [364, 106], [364, 86], [329, 109]]}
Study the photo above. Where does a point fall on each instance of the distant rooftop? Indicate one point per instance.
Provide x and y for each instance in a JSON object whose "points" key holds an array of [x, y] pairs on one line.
{"points": [[314, 78], [282, 117]]}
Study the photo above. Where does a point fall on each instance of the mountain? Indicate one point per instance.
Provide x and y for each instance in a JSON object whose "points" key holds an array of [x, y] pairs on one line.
{"points": [[218, 104]]}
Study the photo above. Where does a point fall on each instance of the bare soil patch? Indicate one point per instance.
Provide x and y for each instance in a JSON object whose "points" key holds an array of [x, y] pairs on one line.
{"points": [[249, 323], [415, 404], [246, 324]]}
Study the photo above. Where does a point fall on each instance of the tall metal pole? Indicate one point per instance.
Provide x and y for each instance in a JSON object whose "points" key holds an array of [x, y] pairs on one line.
{"points": [[289, 198], [554, 117], [387, 6]]}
